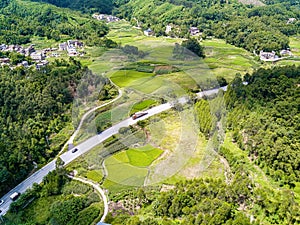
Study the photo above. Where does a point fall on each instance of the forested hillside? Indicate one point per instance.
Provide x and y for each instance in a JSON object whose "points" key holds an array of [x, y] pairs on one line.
{"points": [[20, 21], [261, 28], [87, 6], [265, 119], [34, 106]]}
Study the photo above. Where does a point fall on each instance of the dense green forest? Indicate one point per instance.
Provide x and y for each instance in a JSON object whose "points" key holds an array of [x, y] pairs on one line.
{"points": [[34, 105], [20, 21], [209, 201], [265, 120], [261, 28]]}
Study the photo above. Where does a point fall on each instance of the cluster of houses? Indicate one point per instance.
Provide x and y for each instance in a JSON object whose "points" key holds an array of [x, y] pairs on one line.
{"points": [[272, 57], [71, 46], [194, 31], [17, 48], [37, 56], [107, 18]]}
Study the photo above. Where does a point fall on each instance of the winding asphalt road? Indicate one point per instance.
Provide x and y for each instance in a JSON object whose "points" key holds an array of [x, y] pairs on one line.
{"points": [[87, 145]]}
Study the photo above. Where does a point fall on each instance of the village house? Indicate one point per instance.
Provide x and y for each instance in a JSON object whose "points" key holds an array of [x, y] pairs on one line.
{"points": [[268, 56], [25, 64], [168, 29], [29, 50], [62, 46], [286, 52], [4, 60], [41, 64], [149, 32], [291, 20], [3, 47], [37, 56], [194, 31], [72, 52], [74, 44]]}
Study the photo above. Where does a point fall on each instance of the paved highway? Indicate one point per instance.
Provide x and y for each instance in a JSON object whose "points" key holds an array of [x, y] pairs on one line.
{"points": [[87, 145]]}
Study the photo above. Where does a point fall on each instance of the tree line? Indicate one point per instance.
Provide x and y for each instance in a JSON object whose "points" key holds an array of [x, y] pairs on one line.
{"points": [[264, 119]]}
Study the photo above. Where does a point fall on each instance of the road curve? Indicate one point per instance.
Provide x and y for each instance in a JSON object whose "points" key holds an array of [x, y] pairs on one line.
{"points": [[90, 143], [99, 189]]}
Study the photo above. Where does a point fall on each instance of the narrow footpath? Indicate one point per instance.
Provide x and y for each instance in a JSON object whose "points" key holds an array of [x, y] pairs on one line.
{"points": [[71, 139], [97, 188]]}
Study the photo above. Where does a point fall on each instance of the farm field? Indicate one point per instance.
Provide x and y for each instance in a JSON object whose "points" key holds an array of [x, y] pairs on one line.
{"points": [[130, 167], [222, 60], [295, 45]]}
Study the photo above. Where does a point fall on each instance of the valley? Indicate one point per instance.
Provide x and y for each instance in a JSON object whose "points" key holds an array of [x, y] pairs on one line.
{"points": [[217, 141]]}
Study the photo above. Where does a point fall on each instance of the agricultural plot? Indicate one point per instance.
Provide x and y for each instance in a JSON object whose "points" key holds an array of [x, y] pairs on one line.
{"points": [[295, 45], [226, 60], [124, 173], [144, 156], [130, 167], [127, 78]]}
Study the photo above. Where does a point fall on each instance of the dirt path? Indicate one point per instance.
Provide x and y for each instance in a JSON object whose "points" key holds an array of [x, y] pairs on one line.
{"points": [[101, 192], [227, 171], [71, 139]]}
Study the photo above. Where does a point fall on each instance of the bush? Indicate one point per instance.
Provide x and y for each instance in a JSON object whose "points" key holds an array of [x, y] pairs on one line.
{"points": [[87, 216]]}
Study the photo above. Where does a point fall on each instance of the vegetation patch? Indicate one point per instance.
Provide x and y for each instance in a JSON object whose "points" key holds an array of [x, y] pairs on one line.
{"points": [[140, 106], [95, 175]]}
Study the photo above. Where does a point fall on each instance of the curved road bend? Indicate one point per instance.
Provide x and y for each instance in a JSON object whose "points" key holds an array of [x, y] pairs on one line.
{"points": [[87, 145]]}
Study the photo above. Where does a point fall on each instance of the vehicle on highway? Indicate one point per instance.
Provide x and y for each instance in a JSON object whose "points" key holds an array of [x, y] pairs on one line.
{"points": [[74, 150], [138, 115], [14, 196], [1, 202]]}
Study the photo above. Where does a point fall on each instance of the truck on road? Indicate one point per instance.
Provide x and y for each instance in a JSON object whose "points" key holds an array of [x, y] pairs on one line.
{"points": [[138, 115]]}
